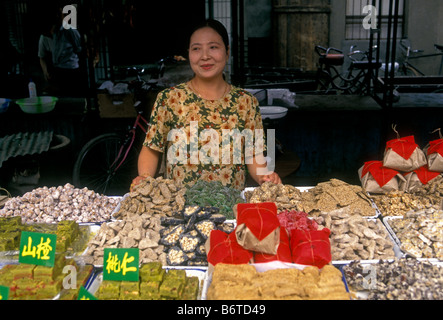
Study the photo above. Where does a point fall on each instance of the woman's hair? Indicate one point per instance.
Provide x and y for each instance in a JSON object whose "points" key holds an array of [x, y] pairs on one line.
{"points": [[217, 26]]}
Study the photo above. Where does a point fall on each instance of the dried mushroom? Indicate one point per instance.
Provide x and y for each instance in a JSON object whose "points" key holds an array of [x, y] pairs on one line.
{"points": [[54, 204]]}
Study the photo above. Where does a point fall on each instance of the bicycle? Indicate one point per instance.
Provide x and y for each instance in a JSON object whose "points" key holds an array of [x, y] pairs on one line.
{"points": [[108, 163], [406, 68], [359, 78]]}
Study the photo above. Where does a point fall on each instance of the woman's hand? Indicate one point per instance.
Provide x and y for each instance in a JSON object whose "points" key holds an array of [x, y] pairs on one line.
{"points": [[271, 177], [136, 181]]}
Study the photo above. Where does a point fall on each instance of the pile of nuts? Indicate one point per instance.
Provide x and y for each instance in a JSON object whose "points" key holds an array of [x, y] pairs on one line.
{"points": [[286, 197], [401, 279], [397, 203], [420, 233], [141, 232], [336, 194], [54, 204], [155, 196], [324, 197], [354, 237]]}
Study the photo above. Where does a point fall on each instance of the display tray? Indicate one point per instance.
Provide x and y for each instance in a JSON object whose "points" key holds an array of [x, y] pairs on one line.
{"points": [[77, 248], [63, 291], [370, 266], [200, 272], [242, 194], [387, 221], [262, 267]]}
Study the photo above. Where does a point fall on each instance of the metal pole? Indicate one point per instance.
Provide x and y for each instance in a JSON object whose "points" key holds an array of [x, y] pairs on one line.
{"points": [[394, 52], [388, 53]]}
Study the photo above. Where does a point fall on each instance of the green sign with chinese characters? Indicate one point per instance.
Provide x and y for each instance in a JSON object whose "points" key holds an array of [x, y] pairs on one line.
{"points": [[37, 248], [121, 264], [4, 293], [85, 295]]}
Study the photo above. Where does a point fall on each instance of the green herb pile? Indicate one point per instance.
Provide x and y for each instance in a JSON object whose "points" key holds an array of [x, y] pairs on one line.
{"points": [[204, 193]]}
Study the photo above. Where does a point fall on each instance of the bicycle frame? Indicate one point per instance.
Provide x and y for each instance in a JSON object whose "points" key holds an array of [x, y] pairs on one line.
{"points": [[408, 65], [140, 122]]}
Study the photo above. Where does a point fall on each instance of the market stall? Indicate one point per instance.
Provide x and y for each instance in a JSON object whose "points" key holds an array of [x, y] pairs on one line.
{"points": [[382, 239], [328, 241]]}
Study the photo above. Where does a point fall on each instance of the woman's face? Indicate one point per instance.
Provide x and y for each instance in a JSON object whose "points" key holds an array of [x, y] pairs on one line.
{"points": [[207, 53]]}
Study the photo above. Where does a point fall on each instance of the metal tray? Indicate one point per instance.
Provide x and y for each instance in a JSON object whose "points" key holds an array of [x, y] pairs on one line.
{"points": [[200, 272]]}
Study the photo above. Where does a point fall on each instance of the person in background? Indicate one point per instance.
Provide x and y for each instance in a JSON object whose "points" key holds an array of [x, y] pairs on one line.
{"points": [[208, 100], [67, 47], [45, 48]]}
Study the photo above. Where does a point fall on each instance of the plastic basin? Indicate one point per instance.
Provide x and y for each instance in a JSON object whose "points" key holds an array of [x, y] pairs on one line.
{"points": [[34, 105], [273, 112]]}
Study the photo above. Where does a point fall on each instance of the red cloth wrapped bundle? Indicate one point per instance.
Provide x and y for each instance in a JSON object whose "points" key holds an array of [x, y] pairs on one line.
{"points": [[258, 228], [311, 247], [283, 251], [434, 155], [223, 248]]}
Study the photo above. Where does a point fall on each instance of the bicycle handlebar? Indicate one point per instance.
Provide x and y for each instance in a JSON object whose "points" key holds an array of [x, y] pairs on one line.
{"points": [[323, 51]]}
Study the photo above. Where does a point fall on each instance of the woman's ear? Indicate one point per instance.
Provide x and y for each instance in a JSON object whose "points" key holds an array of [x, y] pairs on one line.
{"points": [[228, 51]]}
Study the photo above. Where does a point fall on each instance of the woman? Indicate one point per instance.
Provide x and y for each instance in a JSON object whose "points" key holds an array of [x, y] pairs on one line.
{"points": [[190, 119]]}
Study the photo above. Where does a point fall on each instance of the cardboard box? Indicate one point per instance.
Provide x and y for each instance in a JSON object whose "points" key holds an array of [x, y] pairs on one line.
{"points": [[116, 105]]}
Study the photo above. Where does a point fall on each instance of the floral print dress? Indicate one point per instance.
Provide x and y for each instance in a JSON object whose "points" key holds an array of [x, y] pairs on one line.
{"points": [[200, 137]]}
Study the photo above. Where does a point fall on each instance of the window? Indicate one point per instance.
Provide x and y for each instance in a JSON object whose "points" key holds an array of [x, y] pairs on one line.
{"points": [[355, 17]]}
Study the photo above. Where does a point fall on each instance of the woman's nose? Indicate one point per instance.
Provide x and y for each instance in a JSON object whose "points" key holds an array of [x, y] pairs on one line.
{"points": [[205, 54]]}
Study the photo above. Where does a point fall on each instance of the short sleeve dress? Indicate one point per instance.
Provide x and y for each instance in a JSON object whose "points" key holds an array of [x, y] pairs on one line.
{"points": [[206, 139]]}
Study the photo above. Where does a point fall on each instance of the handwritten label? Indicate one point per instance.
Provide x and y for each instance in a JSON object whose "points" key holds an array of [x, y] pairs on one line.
{"points": [[120, 264], [37, 248]]}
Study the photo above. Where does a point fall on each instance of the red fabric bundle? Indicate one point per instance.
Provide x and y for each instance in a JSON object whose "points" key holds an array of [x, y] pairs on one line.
{"points": [[375, 178], [311, 247], [418, 178], [403, 154], [258, 228], [283, 251], [434, 155], [223, 248]]}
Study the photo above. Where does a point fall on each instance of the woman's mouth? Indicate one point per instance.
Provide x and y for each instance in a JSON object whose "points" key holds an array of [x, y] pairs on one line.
{"points": [[206, 66]]}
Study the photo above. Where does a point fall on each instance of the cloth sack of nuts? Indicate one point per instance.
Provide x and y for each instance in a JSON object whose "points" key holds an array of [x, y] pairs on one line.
{"points": [[403, 154], [419, 178], [311, 247], [258, 228], [434, 155], [283, 251], [223, 248], [375, 178]]}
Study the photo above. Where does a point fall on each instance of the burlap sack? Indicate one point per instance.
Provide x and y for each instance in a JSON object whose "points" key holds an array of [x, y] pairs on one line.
{"points": [[419, 178], [434, 155], [258, 228], [403, 154], [375, 178]]}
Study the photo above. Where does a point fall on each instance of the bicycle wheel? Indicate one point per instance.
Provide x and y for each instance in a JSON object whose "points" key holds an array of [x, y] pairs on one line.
{"points": [[96, 163]]}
